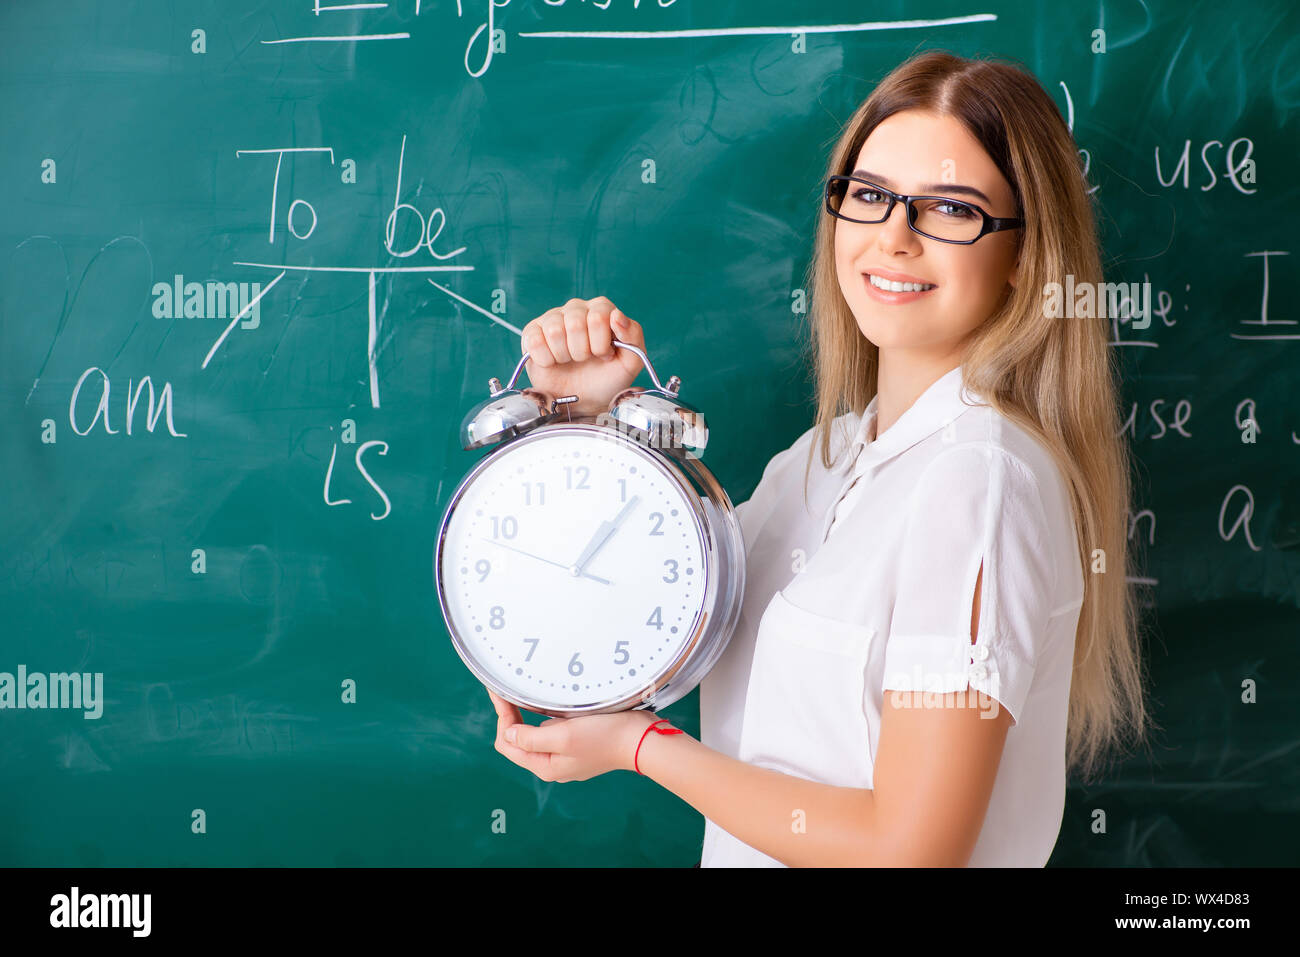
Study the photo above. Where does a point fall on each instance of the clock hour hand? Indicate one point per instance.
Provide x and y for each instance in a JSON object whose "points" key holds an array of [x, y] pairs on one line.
{"points": [[602, 535], [603, 581]]}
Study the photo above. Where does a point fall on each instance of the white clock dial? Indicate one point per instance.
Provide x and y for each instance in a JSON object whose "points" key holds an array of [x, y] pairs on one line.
{"points": [[573, 569]]}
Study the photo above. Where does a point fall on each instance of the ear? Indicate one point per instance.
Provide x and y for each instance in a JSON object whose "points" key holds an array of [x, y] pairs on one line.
{"points": [[1012, 279]]}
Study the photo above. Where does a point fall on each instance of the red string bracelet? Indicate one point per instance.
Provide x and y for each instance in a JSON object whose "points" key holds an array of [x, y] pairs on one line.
{"points": [[636, 757]]}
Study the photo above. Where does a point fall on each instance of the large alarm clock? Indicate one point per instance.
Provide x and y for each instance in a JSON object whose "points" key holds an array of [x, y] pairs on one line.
{"points": [[589, 565]]}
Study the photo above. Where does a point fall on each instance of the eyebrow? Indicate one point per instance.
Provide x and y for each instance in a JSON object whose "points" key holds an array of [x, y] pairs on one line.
{"points": [[943, 188]]}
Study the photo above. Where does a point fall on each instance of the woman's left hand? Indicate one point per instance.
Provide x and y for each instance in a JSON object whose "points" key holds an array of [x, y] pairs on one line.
{"points": [[570, 749]]}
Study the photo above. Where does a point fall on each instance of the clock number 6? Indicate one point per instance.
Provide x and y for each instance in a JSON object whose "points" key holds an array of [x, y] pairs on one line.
{"points": [[575, 666]]}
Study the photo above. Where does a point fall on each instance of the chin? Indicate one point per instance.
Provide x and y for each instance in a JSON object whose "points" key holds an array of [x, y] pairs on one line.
{"points": [[885, 330], [884, 338]]}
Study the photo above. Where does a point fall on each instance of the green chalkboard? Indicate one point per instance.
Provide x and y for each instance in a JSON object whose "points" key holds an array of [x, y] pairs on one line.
{"points": [[314, 234]]}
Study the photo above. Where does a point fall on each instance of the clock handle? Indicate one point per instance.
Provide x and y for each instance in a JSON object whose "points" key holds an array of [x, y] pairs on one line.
{"points": [[671, 388]]}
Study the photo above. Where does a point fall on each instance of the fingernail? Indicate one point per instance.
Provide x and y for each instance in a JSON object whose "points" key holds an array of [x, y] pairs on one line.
{"points": [[510, 735]]}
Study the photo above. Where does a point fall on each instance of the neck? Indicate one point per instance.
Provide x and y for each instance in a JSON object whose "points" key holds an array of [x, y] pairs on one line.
{"points": [[900, 380]]}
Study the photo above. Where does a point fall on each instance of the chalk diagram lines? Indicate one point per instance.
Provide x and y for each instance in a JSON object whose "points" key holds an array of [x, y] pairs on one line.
{"points": [[425, 241]]}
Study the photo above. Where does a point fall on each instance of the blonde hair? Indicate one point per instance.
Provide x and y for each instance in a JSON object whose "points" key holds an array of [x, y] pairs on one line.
{"points": [[1055, 378]]}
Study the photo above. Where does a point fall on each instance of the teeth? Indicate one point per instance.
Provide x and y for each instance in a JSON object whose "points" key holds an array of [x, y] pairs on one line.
{"points": [[898, 286]]}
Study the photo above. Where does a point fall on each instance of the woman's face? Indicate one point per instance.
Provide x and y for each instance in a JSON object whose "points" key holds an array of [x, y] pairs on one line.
{"points": [[919, 153]]}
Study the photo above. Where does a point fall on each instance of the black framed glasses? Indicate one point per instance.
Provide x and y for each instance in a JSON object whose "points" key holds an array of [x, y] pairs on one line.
{"points": [[935, 217]]}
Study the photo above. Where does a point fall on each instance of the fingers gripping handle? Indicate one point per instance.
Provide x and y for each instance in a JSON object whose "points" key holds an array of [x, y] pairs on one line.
{"points": [[645, 361]]}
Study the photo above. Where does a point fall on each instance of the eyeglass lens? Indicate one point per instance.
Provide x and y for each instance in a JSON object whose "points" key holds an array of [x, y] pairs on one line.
{"points": [[938, 218]]}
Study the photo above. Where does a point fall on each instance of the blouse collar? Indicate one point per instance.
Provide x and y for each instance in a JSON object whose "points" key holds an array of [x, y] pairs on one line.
{"points": [[941, 403]]}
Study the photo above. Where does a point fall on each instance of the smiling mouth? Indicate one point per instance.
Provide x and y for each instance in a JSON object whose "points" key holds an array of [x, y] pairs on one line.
{"points": [[888, 285]]}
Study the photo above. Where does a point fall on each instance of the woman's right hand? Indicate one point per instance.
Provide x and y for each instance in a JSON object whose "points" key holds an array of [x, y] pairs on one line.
{"points": [[571, 352]]}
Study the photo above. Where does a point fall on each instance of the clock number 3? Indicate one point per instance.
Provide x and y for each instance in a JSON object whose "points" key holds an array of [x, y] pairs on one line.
{"points": [[672, 562]]}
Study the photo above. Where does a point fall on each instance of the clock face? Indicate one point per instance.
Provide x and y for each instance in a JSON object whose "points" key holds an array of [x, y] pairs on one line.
{"points": [[572, 568]]}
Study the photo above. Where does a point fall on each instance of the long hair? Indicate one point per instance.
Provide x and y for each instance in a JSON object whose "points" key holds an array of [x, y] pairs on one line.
{"points": [[1057, 379]]}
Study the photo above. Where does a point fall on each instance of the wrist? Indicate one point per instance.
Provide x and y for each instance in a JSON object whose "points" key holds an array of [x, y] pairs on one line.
{"points": [[654, 729], [638, 722]]}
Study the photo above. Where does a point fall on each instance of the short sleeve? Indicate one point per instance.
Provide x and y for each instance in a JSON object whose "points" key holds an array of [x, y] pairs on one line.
{"points": [[972, 504], [778, 476], [740, 508], [747, 512]]}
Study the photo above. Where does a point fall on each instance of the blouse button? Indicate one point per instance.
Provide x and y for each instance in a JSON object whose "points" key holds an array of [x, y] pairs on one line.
{"points": [[982, 652], [977, 671]]}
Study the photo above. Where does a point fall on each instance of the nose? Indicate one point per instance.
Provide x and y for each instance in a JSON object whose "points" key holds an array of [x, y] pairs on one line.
{"points": [[895, 235]]}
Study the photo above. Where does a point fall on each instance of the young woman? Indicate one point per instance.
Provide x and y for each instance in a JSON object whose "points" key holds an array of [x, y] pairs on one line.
{"points": [[936, 626]]}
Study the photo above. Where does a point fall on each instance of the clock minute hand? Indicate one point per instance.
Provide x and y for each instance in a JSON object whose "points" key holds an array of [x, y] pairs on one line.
{"points": [[603, 581], [602, 535]]}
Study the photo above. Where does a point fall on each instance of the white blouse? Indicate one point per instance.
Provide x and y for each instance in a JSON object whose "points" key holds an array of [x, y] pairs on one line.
{"points": [[848, 596]]}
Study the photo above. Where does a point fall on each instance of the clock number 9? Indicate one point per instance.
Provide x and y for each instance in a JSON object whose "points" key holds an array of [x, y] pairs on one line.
{"points": [[482, 566]]}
